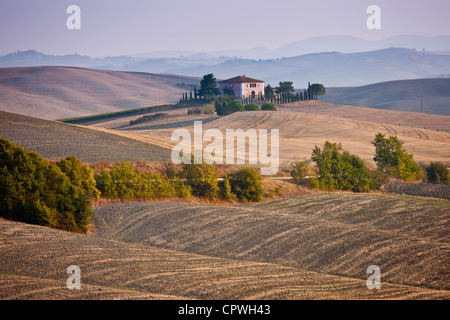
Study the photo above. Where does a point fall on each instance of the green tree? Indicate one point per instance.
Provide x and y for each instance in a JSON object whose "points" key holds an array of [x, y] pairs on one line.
{"points": [[202, 178], [269, 92], [285, 87], [32, 190], [251, 107], [225, 189], [268, 107], [317, 89], [437, 172], [391, 158], [225, 108], [299, 172], [208, 86], [340, 170], [246, 184]]}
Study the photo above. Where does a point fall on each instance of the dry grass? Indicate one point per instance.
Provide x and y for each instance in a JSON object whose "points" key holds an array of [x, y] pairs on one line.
{"points": [[302, 128]]}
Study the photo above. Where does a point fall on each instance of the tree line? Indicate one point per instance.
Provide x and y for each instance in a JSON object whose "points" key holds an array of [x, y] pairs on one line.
{"points": [[338, 169], [283, 93], [60, 194]]}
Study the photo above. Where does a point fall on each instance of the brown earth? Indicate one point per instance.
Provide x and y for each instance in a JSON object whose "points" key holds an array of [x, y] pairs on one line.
{"points": [[34, 259], [338, 233], [300, 131]]}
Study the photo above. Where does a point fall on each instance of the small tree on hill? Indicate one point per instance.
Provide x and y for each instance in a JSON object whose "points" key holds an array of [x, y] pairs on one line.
{"points": [[208, 86], [391, 158]]}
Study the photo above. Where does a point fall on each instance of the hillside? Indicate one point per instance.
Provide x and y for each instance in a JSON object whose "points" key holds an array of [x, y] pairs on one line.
{"points": [[332, 69], [56, 140], [66, 92], [340, 233], [303, 127], [431, 96], [114, 269]]}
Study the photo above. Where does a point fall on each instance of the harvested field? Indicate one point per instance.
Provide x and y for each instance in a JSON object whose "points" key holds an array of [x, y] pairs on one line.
{"points": [[339, 233], [34, 260], [53, 92], [301, 131], [441, 191], [55, 140]]}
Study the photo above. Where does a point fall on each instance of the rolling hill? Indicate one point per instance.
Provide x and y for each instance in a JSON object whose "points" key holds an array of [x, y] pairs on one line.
{"points": [[420, 95], [303, 126], [123, 268], [66, 92], [332, 69], [55, 140], [340, 234]]}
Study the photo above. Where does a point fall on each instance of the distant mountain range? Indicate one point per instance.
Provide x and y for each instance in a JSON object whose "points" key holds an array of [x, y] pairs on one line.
{"points": [[335, 61]]}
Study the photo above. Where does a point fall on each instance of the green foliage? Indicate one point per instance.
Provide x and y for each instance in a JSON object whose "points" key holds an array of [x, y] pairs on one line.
{"points": [[299, 172], [269, 92], [285, 87], [123, 182], [391, 158], [225, 190], [251, 107], [202, 179], [317, 89], [208, 86], [225, 107], [246, 184], [34, 191], [268, 107], [340, 170], [437, 172], [379, 178]]}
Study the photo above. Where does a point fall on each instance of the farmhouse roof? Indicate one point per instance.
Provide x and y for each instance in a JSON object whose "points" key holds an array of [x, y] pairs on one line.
{"points": [[240, 79]]}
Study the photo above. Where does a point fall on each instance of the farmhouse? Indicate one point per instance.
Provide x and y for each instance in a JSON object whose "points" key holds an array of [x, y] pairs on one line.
{"points": [[242, 87]]}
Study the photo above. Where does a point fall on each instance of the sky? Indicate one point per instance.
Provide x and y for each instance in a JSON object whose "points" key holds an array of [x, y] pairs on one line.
{"points": [[126, 27]]}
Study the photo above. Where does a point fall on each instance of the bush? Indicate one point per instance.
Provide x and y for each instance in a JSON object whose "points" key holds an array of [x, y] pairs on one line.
{"points": [[225, 190], [251, 107], [299, 172], [391, 158], [379, 178], [437, 172], [230, 107], [34, 191], [202, 178], [340, 170], [268, 107], [246, 185]]}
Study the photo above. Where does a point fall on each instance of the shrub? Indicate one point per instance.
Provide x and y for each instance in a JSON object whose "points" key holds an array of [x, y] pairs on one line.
{"points": [[340, 170], [268, 107], [246, 185], [34, 191], [225, 107], [379, 178], [225, 190], [251, 107], [299, 172], [437, 172], [202, 179], [391, 158], [209, 108]]}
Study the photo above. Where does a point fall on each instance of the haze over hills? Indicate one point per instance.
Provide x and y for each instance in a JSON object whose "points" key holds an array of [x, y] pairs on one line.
{"points": [[430, 96], [335, 61]]}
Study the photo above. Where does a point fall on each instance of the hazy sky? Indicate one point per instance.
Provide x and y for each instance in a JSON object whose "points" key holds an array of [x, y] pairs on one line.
{"points": [[138, 26]]}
